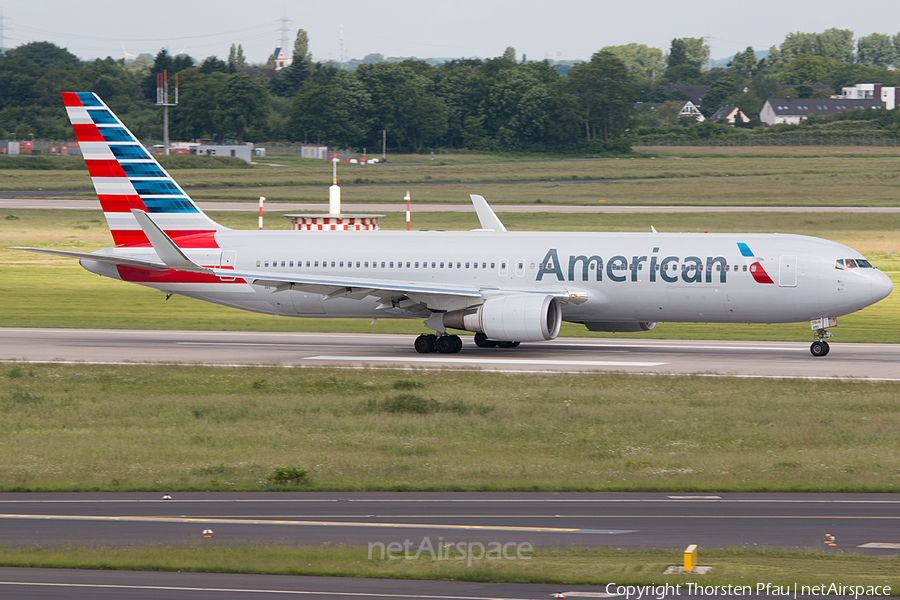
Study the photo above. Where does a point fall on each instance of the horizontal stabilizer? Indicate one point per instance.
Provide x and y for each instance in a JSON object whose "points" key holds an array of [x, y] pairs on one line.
{"points": [[165, 248], [104, 258]]}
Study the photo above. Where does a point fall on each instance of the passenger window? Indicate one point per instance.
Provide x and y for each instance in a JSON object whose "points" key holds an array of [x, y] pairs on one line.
{"points": [[317, 263], [442, 265], [382, 264], [484, 265], [267, 263], [744, 269], [432, 265], [417, 265], [257, 263], [332, 264], [407, 265], [467, 265], [493, 265], [366, 264], [449, 265]]}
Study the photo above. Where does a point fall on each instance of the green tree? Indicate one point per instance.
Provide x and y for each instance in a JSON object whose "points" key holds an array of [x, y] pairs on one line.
{"points": [[876, 50], [333, 109], [404, 104], [722, 89], [644, 62], [688, 51], [745, 63], [290, 79], [606, 91], [514, 109], [236, 58], [832, 43], [810, 70], [461, 86], [240, 104], [198, 115], [44, 54], [509, 54]]}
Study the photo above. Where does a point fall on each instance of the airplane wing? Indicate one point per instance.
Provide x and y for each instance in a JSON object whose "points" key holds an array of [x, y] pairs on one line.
{"points": [[107, 258]]}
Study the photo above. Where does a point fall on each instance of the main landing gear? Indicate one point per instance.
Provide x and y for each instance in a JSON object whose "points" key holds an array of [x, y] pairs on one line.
{"points": [[445, 344], [451, 344]]}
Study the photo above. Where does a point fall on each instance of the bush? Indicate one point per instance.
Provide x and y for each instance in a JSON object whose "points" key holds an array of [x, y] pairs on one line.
{"points": [[283, 475]]}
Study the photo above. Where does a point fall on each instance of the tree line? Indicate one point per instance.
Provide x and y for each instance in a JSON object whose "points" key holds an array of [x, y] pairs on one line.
{"points": [[494, 104]]}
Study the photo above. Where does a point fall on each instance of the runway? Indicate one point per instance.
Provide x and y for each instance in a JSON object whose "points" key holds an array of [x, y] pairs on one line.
{"points": [[46, 584], [41, 203], [877, 362], [864, 523]]}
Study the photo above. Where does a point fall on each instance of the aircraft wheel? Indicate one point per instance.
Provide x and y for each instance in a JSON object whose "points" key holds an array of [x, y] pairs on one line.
{"points": [[482, 341], [446, 345], [509, 344], [425, 343], [819, 348], [457, 343]]}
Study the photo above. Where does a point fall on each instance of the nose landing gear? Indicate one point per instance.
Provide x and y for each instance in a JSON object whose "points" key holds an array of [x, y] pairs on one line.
{"points": [[820, 347]]}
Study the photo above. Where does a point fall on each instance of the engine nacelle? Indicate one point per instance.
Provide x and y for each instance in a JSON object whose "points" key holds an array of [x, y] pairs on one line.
{"points": [[619, 326], [515, 318]]}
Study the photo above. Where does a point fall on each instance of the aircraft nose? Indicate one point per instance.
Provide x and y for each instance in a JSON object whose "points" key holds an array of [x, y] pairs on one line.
{"points": [[882, 286]]}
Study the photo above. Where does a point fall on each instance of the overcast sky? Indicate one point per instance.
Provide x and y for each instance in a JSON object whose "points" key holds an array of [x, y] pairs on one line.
{"points": [[558, 30]]}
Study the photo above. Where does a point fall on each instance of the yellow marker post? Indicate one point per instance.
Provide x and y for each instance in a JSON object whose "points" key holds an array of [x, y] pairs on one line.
{"points": [[690, 558]]}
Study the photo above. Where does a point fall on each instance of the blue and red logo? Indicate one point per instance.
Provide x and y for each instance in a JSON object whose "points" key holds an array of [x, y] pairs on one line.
{"points": [[756, 270]]}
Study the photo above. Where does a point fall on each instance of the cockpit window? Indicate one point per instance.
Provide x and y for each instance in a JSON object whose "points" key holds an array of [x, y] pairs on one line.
{"points": [[852, 263]]}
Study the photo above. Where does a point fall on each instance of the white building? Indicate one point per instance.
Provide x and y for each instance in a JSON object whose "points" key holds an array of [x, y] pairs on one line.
{"points": [[282, 60], [890, 96], [794, 110]]}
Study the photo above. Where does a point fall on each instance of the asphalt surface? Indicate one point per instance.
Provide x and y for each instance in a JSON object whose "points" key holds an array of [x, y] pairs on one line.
{"points": [[345, 350], [7, 202], [864, 523], [38, 584]]}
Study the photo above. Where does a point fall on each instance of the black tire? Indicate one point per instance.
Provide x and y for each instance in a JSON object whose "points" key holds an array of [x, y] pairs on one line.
{"points": [[827, 348], [457, 343], [445, 344], [425, 344], [482, 340], [819, 349]]}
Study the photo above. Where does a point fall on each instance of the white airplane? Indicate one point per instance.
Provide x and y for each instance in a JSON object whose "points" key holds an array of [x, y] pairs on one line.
{"points": [[507, 287]]}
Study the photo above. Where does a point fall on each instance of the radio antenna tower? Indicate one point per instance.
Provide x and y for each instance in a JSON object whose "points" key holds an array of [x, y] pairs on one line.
{"points": [[341, 60], [162, 99]]}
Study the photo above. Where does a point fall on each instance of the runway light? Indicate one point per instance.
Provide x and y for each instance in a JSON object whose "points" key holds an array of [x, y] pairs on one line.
{"points": [[167, 497], [559, 595], [207, 533], [829, 540]]}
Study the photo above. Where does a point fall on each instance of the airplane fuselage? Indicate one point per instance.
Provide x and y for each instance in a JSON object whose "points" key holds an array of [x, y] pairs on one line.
{"points": [[617, 277]]}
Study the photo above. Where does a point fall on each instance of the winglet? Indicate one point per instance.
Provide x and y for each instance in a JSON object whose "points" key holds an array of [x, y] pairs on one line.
{"points": [[165, 248], [489, 220]]}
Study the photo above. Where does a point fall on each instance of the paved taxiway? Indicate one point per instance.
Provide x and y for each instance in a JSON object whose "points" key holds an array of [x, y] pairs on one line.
{"points": [[703, 357], [866, 523]]}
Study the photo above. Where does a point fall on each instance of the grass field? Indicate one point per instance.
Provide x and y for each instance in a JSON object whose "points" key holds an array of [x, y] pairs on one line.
{"points": [[80, 299], [160, 428], [565, 567], [820, 176]]}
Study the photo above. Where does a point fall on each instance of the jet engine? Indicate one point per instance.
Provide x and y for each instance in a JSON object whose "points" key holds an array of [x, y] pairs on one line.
{"points": [[517, 317]]}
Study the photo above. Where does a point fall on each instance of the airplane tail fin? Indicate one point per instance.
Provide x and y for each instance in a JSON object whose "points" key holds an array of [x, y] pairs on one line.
{"points": [[127, 177]]}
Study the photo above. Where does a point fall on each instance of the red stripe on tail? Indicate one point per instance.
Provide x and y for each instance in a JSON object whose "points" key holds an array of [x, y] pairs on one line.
{"points": [[71, 99], [87, 133], [105, 168], [111, 203]]}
